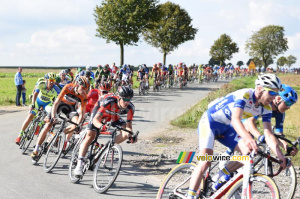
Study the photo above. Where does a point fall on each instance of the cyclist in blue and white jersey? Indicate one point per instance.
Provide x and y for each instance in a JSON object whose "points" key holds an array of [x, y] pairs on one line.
{"points": [[215, 70], [89, 68], [222, 121], [64, 79], [287, 97]]}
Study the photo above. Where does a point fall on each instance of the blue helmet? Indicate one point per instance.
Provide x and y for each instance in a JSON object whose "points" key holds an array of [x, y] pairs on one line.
{"points": [[288, 94]]}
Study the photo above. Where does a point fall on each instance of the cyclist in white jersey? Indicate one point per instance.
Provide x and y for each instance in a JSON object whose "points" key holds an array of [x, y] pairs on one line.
{"points": [[222, 121]]}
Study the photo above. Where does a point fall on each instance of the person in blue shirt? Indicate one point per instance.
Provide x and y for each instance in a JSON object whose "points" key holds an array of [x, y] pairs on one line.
{"points": [[18, 83]]}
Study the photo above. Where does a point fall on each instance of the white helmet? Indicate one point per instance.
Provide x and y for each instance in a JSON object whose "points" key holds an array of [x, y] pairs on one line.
{"points": [[62, 72], [88, 68], [268, 81]]}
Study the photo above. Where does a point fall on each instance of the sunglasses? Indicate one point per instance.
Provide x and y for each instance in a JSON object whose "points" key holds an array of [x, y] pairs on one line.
{"points": [[271, 92], [52, 80], [126, 99]]}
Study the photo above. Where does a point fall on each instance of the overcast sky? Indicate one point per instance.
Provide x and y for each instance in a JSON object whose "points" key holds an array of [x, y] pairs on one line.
{"points": [[62, 32]]}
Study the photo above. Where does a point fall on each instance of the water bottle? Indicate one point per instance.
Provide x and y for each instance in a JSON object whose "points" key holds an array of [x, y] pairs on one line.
{"points": [[218, 184]]}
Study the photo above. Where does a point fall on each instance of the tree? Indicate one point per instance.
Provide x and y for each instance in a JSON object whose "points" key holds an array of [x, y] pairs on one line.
{"points": [[281, 61], [223, 48], [267, 43], [291, 60], [213, 62], [240, 63], [172, 28], [229, 64], [123, 21]]}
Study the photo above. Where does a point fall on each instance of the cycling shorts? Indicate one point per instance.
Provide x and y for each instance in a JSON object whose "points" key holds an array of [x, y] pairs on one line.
{"points": [[38, 104], [208, 131]]}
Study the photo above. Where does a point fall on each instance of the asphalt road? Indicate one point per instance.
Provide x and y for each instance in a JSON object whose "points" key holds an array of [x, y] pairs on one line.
{"points": [[21, 179]]}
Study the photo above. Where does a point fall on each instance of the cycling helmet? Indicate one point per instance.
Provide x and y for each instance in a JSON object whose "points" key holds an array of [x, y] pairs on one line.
{"points": [[57, 79], [268, 81], [88, 68], [105, 86], [79, 69], [62, 72], [125, 91], [83, 81], [50, 76], [288, 94]]}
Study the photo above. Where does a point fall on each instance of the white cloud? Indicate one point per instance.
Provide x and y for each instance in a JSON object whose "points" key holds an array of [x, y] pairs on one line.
{"points": [[64, 40], [294, 42]]}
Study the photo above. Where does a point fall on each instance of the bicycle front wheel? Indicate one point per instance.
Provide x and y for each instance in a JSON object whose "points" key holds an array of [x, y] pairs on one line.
{"points": [[54, 152], [107, 168], [28, 137], [73, 163], [176, 183], [286, 181], [260, 186]]}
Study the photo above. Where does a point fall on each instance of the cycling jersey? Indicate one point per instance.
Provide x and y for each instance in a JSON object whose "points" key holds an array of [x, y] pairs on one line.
{"points": [[64, 82], [156, 70], [93, 97], [216, 121], [105, 74], [45, 96], [141, 74], [69, 96], [110, 111]]}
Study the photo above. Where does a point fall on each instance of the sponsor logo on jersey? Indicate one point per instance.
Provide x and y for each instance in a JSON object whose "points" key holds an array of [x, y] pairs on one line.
{"points": [[220, 104], [246, 96]]}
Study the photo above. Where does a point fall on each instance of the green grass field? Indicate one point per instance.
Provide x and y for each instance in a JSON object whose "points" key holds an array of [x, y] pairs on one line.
{"points": [[8, 89]]}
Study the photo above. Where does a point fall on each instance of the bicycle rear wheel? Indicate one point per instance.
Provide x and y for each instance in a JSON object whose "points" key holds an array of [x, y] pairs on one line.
{"points": [[107, 168], [260, 186], [54, 152], [176, 183]]}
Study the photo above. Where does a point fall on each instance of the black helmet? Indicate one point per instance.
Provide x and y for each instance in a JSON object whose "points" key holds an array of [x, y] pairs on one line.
{"points": [[125, 91]]}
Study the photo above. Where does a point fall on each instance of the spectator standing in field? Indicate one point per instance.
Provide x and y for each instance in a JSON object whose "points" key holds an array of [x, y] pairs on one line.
{"points": [[18, 83], [24, 93]]}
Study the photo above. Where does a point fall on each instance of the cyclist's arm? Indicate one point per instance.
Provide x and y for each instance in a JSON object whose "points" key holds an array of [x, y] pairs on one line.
{"points": [[35, 94], [251, 126], [272, 141]]}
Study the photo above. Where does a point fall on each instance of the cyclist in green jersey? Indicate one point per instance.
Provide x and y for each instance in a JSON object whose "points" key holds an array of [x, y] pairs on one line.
{"points": [[43, 96], [104, 73]]}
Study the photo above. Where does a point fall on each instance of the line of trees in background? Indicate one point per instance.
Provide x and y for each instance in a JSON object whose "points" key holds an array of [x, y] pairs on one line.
{"points": [[166, 26]]}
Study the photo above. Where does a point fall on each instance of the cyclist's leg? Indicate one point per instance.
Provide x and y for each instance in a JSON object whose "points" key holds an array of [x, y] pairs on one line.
{"points": [[90, 136], [123, 135], [206, 144], [234, 142], [26, 123]]}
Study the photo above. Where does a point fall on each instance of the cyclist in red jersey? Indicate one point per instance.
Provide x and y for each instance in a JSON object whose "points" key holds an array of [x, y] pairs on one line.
{"points": [[109, 110], [72, 94]]}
